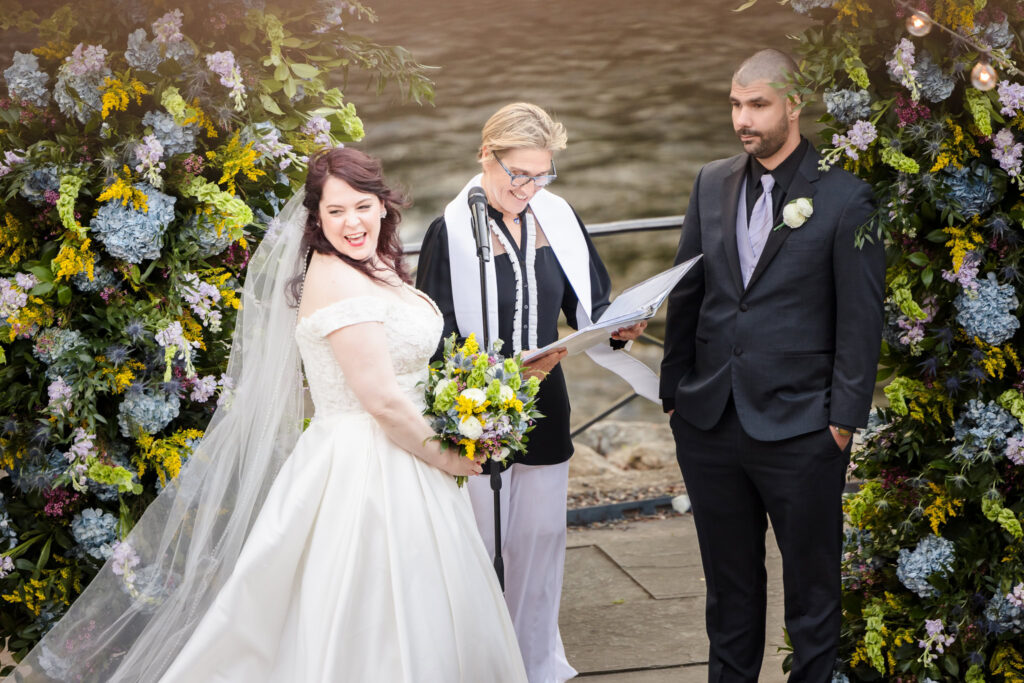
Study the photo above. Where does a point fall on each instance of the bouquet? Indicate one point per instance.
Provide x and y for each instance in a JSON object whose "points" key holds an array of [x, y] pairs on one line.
{"points": [[479, 402]]}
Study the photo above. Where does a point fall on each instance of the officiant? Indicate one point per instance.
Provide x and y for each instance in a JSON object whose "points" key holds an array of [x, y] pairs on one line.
{"points": [[544, 263]]}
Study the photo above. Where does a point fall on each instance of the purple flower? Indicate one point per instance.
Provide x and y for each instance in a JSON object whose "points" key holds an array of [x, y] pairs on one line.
{"points": [[149, 153], [203, 389], [319, 129], [167, 29], [859, 137], [86, 59], [1006, 150], [1011, 96], [123, 559], [1015, 452], [223, 64], [901, 67], [60, 394]]}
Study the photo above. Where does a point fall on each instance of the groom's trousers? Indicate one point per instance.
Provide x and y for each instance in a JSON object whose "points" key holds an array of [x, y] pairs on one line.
{"points": [[735, 484]]}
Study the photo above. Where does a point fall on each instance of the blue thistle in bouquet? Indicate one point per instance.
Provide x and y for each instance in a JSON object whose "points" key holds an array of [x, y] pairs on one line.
{"points": [[479, 402]]}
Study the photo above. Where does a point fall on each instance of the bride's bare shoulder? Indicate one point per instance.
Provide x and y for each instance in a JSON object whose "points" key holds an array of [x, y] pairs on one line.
{"points": [[329, 279]]}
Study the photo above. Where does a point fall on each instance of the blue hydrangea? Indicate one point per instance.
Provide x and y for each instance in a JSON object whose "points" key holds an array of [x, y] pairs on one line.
{"points": [[25, 81], [173, 138], [1002, 615], [38, 470], [933, 555], [839, 677], [202, 234], [56, 667], [38, 183], [79, 95], [95, 531], [8, 536], [969, 190], [935, 86], [181, 51], [146, 411], [53, 344], [998, 34], [988, 312], [805, 6], [848, 106], [983, 427], [141, 53], [102, 277], [131, 235]]}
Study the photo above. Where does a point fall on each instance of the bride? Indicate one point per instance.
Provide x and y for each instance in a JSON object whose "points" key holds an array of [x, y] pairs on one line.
{"points": [[343, 553]]}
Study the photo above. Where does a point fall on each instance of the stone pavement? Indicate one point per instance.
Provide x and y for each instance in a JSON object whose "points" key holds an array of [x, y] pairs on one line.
{"points": [[633, 604]]}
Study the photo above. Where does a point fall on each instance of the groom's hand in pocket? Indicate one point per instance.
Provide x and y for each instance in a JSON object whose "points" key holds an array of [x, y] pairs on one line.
{"points": [[841, 435]]}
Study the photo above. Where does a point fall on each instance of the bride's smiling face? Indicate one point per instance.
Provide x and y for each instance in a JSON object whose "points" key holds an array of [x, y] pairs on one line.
{"points": [[350, 219]]}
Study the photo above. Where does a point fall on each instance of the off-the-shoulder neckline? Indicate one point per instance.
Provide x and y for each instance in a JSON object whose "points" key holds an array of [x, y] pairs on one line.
{"points": [[375, 297]]}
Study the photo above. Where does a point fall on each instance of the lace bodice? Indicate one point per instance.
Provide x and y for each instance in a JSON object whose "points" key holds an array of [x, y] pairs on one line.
{"points": [[413, 331]]}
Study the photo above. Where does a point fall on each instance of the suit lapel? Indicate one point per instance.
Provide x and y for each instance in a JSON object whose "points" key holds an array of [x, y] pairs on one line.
{"points": [[802, 186], [730, 197]]}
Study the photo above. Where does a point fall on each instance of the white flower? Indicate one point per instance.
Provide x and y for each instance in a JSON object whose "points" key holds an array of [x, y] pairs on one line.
{"points": [[507, 394], [477, 396], [471, 428], [796, 212], [441, 385]]}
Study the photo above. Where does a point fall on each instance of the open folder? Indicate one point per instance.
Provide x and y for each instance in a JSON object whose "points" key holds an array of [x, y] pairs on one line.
{"points": [[639, 302]]}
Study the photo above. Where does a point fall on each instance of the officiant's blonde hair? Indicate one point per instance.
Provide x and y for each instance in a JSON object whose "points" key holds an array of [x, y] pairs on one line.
{"points": [[520, 125]]}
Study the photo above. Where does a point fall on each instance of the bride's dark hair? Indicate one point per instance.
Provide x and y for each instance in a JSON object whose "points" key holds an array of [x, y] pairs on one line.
{"points": [[363, 172]]}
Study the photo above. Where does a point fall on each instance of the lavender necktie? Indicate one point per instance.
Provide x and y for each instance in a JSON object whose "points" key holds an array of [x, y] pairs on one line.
{"points": [[760, 223]]}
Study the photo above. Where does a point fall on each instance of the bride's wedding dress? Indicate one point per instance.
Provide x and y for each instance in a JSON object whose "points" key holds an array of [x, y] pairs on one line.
{"points": [[364, 563]]}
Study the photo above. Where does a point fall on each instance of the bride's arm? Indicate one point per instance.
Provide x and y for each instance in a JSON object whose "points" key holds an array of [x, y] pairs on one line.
{"points": [[362, 352]]}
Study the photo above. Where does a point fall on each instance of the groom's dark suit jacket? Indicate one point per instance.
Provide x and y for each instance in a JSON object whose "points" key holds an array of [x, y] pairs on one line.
{"points": [[798, 347]]}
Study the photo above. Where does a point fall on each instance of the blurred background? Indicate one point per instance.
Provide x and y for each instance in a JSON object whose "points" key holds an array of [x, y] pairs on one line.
{"points": [[641, 86]]}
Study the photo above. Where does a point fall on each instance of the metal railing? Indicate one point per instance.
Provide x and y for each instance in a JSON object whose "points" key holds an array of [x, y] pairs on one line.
{"points": [[605, 230]]}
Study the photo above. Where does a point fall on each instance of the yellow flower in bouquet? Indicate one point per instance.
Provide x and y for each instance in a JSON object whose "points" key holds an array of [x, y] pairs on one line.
{"points": [[479, 402]]}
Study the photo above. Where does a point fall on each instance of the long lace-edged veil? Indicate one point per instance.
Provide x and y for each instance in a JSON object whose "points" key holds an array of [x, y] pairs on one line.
{"points": [[144, 603]]}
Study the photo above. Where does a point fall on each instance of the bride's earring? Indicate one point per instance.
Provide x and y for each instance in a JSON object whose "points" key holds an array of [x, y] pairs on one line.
{"points": [[383, 214]]}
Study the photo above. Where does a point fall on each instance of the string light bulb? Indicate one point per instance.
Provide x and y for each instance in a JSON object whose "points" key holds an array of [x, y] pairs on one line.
{"points": [[983, 76], [919, 24]]}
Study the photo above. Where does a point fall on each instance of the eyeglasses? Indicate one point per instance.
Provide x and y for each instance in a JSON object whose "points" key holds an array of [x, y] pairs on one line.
{"points": [[518, 180]]}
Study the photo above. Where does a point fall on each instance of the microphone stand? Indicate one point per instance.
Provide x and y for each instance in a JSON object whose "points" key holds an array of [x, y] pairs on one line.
{"points": [[483, 253]]}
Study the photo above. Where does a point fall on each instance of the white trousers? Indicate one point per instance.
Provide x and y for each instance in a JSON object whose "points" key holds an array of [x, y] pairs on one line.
{"points": [[533, 500]]}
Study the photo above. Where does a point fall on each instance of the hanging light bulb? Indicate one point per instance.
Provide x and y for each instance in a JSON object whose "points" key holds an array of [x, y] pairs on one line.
{"points": [[983, 76], [919, 24]]}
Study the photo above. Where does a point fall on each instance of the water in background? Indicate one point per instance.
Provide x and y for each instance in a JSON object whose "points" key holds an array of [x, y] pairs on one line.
{"points": [[641, 86]]}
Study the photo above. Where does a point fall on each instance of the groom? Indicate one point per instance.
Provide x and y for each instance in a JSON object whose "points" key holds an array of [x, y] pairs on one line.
{"points": [[770, 353]]}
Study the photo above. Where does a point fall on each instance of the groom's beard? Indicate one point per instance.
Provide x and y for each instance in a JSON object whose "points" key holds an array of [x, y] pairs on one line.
{"points": [[769, 142]]}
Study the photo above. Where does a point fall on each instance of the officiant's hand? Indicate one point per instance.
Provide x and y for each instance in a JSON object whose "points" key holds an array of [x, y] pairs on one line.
{"points": [[631, 332], [540, 366]]}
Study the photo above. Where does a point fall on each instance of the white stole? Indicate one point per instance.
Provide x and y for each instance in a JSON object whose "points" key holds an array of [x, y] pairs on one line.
{"points": [[563, 233]]}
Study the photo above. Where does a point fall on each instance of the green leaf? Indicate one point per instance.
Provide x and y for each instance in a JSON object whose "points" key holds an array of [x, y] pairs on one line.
{"points": [[747, 5], [918, 259], [281, 72], [937, 236], [270, 105], [305, 71], [290, 88], [271, 85], [927, 275], [64, 295]]}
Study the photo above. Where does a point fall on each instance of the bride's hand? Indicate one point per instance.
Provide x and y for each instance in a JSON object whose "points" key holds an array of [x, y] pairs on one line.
{"points": [[459, 465]]}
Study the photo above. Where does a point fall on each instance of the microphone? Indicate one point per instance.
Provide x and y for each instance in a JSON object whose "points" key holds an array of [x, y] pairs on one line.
{"points": [[478, 212]]}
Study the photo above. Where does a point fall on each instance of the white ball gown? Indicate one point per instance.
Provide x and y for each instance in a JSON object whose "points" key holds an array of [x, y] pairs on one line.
{"points": [[364, 563]]}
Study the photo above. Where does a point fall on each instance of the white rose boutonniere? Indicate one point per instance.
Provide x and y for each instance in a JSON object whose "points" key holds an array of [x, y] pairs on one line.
{"points": [[796, 212]]}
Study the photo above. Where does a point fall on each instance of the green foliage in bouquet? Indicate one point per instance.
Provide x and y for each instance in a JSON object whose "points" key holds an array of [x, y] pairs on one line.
{"points": [[143, 150], [479, 402], [934, 551]]}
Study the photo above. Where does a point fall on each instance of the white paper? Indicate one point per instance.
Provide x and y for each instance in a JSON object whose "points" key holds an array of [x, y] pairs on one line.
{"points": [[639, 302]]}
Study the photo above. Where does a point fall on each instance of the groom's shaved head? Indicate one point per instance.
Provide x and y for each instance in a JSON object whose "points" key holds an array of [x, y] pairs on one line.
{"points": [[769, 65]]}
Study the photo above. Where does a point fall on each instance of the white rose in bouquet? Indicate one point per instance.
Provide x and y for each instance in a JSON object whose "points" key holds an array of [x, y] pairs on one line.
{"points": [[477, 396], [471, 428], [507, 393]]}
